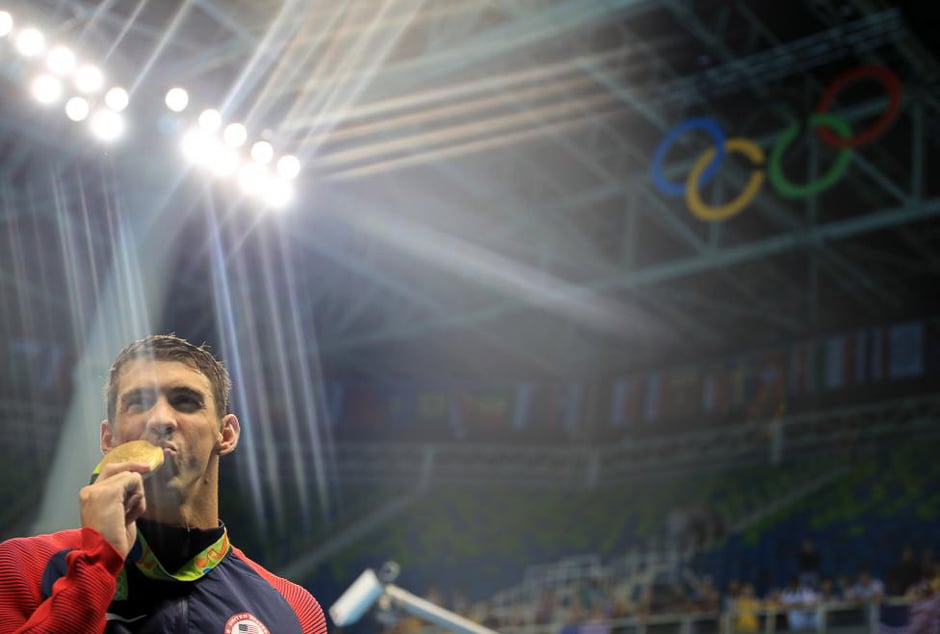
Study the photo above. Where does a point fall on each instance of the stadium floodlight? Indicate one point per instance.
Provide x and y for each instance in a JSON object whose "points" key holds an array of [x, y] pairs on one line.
{"points": [[262, 152], [277, 193], [196, 145], [107, 125], [77, 109], [288, 167], [117, 99], [253, 179], [6, 23], [89, 79], [60, 60], [30, 42], [210, 120], [177, 99], [46, 89], [235, 135], [223, 160]]}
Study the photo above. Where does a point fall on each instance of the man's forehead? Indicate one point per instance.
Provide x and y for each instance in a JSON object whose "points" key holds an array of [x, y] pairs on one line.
{"points": [[155, 373]]}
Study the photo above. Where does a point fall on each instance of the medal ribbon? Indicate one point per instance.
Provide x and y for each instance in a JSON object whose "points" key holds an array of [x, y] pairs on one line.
{"points": [[149, 566]]}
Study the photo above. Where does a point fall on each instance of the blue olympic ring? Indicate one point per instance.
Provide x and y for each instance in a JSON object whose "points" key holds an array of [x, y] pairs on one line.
{"points": [[706, 124]]}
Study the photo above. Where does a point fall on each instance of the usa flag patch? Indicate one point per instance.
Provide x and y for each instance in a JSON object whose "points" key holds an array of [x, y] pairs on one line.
{"points": [[245, 623]]}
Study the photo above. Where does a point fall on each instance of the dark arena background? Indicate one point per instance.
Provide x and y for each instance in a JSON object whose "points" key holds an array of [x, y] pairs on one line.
{"points": [[591, 315]]}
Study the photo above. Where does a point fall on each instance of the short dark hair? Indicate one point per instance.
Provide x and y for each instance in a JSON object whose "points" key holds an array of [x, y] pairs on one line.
{"points": [[172, 348]]}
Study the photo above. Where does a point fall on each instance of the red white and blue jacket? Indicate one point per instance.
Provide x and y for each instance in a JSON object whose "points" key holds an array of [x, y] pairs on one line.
{"points": [[67, 582]]}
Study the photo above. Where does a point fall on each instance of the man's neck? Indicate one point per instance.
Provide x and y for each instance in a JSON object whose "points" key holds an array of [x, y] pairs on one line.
{"points": [[174, 546]]}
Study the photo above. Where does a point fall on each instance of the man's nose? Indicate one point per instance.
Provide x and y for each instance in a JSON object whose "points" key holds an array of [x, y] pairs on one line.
{"points": [[161, 419]]}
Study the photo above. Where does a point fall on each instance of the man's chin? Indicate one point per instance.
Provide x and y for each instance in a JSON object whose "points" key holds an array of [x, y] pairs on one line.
{"points": [[162, 489]]}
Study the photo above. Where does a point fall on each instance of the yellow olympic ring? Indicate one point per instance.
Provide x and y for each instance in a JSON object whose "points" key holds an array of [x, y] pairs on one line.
{"points": [[712, 213]]}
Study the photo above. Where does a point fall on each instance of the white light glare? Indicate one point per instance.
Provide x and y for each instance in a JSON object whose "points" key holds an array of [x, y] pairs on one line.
{"points": [[196, 146], [288, 167], [76, 109], [205, 150], [6, 23], [47, 89], [253, 179], [278, 193], [30, 43], [60, 60], [177, 99], [210, 120], [262, 152], [107, 125], [116, 99], [235, 135], [89, 79]]}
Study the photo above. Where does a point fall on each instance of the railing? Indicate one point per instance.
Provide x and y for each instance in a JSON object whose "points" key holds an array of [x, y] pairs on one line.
{"points": [[845, 617], [584, 466]]}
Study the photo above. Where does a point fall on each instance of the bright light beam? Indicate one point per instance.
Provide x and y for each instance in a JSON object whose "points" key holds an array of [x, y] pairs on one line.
{"points": [[77, 109], [61, 60], [30, 43], [46, 89], [177, 99], [6, 23], [89, 79], [117, 99], [107, 125]]}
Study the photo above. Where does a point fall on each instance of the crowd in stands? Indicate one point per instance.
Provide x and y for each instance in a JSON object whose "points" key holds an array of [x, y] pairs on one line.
{"points": [[605, 606]]}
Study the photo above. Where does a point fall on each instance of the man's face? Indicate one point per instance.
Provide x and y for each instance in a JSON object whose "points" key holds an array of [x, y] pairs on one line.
{"points": [[171, 405]]}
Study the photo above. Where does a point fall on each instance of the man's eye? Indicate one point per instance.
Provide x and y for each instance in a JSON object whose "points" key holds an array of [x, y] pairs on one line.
{"points": [[187, 403], [138, 403]]}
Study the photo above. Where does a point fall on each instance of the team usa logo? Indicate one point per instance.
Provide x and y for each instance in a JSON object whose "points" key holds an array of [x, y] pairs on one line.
{"points": [[832, 129], [245, 623]]}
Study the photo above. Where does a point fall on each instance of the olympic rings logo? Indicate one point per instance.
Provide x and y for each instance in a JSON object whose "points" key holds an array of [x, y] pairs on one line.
{"points": [[832, 129]]}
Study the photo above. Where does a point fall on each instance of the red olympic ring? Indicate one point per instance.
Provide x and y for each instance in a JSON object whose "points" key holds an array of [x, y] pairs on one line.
{"points": [[888, 79]]}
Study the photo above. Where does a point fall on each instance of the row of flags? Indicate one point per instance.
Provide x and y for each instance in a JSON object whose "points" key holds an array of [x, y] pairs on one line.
{"points": [[755, 385]]}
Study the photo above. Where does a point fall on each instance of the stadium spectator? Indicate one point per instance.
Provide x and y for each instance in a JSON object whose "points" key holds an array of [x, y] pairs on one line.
{"points": [[800, 601], [904, 574], [705, 597], [924, 610], [732, 591], [809, 564], [596, 623], [866, 589], [545, 610], [747, 608]]}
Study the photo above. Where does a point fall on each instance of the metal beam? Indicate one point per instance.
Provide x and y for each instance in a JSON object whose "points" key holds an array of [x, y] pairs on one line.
{"points": [[811, 238]]}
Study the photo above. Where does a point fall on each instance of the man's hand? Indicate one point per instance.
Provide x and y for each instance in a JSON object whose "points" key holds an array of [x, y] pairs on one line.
{"points": [[114, 502]]}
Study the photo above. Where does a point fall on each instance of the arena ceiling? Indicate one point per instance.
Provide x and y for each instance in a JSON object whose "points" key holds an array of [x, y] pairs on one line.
{"points": [[478, 197]]}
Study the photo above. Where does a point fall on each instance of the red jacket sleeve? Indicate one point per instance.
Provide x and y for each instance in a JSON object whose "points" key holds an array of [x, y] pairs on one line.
{"points": [[79, 600], [308, 611]]}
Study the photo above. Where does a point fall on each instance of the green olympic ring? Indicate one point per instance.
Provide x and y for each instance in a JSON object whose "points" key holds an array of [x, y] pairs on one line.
{"points": [[783, 186], [788, 189]]}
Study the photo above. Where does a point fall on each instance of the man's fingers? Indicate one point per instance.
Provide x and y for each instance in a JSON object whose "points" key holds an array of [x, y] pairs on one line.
{"points": [[135, 504], [110, 470]]}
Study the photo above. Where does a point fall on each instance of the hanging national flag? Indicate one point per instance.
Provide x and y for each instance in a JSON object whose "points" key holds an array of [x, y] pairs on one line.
{"points": [[907, 350], [651, 402], [861, 357], [574, 395], [876, 354], [618, 401], [520, 415], [835, 362]]}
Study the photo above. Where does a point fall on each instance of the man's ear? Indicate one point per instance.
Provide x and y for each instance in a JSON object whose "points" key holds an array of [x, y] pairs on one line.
{"points": [[228, 435], [106, 439]]}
